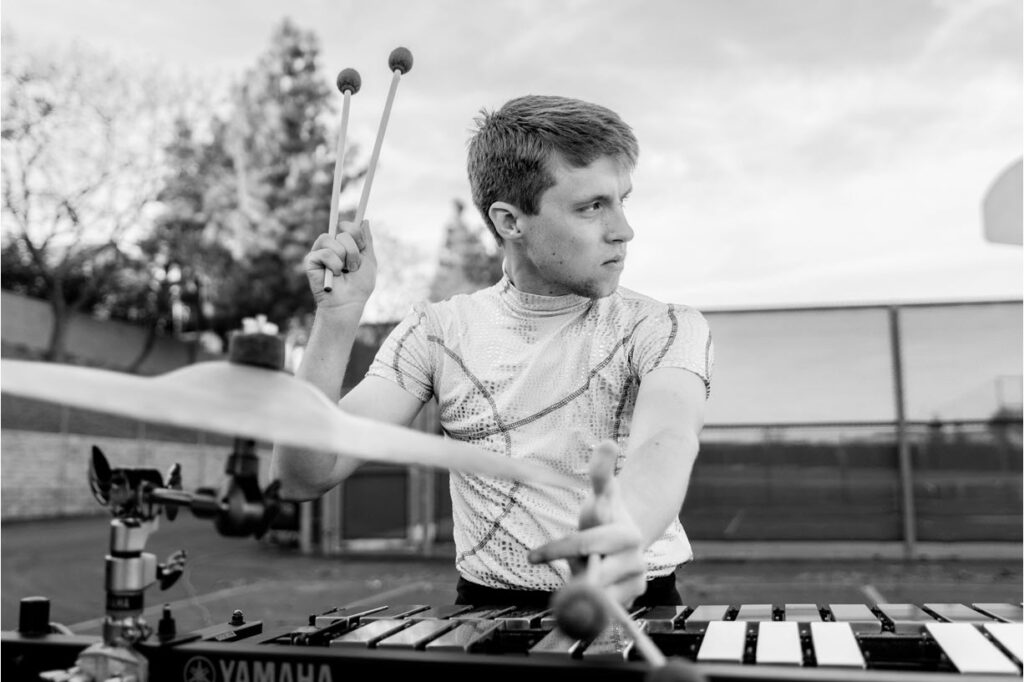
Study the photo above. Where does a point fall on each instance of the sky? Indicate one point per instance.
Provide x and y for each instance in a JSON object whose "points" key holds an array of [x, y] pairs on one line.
{"points": [[792, 152]]}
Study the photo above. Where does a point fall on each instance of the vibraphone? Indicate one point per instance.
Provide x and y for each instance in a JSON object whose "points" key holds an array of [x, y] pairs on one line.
{"points": [[829, 642]]}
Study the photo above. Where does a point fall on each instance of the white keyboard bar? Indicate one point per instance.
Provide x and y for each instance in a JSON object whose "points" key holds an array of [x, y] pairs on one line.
{"points": [[754, 612], [1009, 613], [778, 643], [859, 616], [968, 649], [708, 613], [1010, 635], [803, 613], [959, 613], [835, 646], [723, 642]]}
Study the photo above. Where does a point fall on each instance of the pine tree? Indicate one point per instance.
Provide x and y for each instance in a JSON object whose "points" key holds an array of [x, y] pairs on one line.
{"points": [[259, 189], [465, 264]]}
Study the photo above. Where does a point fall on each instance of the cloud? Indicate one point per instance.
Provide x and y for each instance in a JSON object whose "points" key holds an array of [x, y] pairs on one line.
{"points": [[774, 133]]}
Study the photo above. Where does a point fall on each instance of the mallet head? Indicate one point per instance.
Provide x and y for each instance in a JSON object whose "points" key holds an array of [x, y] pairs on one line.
{"points": [[578, 610], [400, 59], [349, 81]]}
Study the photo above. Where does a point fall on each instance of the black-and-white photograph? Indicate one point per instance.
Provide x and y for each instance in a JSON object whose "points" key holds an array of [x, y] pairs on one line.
{"points": [[664, 340]]}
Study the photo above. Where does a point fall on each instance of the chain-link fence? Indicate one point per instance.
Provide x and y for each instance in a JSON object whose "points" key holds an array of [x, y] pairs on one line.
{"points": [[872, 423]]}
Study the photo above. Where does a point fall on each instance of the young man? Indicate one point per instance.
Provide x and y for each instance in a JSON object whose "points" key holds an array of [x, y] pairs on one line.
{"points": [[553, 361]]}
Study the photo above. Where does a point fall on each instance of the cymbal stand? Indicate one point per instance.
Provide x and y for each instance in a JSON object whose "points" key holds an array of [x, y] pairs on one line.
{"points": [[137, 497]]}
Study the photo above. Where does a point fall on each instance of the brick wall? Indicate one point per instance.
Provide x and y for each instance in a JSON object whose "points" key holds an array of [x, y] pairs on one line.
{"points": [[44, 475]]}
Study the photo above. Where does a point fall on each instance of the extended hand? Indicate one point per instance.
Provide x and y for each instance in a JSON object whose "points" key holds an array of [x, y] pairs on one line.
{"points": [[607, 530]]}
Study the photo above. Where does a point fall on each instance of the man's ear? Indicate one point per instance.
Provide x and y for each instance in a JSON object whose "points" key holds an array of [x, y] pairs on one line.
{"points": [[505, 218]]}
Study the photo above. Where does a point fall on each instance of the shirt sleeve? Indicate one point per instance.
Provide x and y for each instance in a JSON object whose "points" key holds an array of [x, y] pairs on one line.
{"points": [[674, 336], [405, 357]]}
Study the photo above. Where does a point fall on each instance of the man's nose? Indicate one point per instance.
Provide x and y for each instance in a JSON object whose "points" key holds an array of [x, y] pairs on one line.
{"points": [[620, 230]]}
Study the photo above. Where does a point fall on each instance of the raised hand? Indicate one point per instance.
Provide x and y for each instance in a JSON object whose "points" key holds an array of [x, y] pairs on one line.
{"points": [[350, 258]]}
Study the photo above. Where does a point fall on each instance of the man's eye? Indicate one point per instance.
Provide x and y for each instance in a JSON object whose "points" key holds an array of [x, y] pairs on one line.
{"points": [[591, 207]]}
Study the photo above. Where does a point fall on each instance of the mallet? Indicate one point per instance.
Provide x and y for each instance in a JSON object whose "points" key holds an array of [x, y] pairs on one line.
{"points": [[348, 83], [400, 62], [582, 610]]}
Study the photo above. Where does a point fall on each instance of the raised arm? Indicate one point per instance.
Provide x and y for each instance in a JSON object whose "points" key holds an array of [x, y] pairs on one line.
{"points": [[351, 258]]}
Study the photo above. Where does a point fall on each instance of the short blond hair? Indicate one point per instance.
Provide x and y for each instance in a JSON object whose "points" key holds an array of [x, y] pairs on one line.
{"points": [[511, 149]]}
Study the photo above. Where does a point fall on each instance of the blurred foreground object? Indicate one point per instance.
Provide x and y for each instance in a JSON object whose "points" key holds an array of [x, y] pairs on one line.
{"points": [[251, 397], [1001, 208]]}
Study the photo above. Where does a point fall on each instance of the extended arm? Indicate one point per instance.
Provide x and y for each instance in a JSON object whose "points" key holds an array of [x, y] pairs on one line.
{"points": [[628, 512], [663, 446]]}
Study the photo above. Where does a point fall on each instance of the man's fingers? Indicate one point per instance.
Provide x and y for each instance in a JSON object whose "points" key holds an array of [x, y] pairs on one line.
{"points": [[352, 257], [338, 254], [606, 539], [602, 465], [360, 233], [625, 591], [324, 259], [622, 567], [367, 235]]}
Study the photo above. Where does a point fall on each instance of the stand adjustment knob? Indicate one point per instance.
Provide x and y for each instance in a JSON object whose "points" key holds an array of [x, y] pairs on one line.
{"points": [[34, 616]]}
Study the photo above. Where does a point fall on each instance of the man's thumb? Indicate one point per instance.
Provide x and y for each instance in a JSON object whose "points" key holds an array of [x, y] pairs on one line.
{"points": [[602, 465]]}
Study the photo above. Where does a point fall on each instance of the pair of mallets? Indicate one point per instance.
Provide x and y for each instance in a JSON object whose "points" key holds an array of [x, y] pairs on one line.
{"points": [[349, 82]]}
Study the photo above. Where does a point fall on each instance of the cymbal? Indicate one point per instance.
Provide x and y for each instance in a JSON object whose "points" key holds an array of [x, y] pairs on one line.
{"points": [[257, 404]]}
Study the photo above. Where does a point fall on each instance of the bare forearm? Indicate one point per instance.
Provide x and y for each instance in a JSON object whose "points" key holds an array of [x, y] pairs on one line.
{"points": [[307, 474], [655, 479], [326, 356]]}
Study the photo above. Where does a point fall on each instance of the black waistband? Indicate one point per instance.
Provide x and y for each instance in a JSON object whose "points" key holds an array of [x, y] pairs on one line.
{"points": [[660, 591]]}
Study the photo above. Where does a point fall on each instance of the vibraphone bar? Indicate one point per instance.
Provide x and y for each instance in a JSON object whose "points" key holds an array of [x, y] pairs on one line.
{"points": [[799, 642]]}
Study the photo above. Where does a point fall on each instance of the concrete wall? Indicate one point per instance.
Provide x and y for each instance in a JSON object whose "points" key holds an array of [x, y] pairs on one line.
{"points": [[45, 474], [25, 325]]}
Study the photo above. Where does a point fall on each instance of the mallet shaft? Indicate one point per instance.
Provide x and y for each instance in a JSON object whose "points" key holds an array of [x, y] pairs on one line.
{"points": [[650, 651], [339, 160], [375, 156]]}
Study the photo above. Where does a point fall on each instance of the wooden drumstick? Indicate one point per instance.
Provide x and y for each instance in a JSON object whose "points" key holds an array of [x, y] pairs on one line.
{"points": [[348, 82]]}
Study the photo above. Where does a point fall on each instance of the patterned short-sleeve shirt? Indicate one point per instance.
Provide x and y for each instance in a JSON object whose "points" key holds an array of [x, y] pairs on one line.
{"points": [[545, 379]]}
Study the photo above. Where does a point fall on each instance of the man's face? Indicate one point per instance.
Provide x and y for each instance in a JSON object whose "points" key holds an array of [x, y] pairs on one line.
{"points": [[577, 241]]}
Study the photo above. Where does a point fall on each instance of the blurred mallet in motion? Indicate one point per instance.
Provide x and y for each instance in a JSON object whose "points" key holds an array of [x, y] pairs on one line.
{"points": [[348, 83], [583, 609], [400, 62]]}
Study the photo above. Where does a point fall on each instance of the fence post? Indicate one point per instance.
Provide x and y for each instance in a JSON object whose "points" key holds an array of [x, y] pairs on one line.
{"points": [[306, 526], [65, 432], [902, 442], [331, 518]]}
